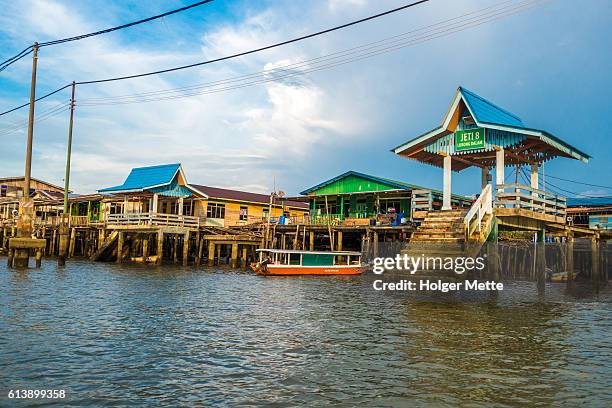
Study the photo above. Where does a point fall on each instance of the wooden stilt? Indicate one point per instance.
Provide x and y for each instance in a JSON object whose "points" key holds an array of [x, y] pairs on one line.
{"points": [[186, 249], [72, 242], [211, 253], [234, 259], [120, 239], [243, 260], [160, 247]]}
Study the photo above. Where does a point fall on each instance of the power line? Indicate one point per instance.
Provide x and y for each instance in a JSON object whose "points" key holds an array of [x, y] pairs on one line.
{"points": [[44, 115], [28, 50], [267, 47], [316, 64], [580, 182], [230, 56]]}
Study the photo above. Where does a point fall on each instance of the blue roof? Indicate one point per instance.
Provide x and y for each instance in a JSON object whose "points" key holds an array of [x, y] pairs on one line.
{"points": [[485, 111], [588, 202], [146, 177]]}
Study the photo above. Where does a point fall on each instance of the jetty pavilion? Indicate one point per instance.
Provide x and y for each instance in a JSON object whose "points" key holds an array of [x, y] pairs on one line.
{"points": [[478, 133]]}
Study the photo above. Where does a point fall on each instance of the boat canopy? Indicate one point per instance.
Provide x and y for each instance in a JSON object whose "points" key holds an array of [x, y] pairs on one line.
{"points": [[295, 251]]}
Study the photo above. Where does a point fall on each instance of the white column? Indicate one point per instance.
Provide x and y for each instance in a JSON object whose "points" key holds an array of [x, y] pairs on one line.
{"points": [[155, 202], [499, 168], [180, 206], [484, 177], [125, 204], [446, 194], [534, 175]]}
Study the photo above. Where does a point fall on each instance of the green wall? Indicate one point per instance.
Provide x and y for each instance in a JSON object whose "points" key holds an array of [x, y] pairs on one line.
{"points": [[353, 184]]}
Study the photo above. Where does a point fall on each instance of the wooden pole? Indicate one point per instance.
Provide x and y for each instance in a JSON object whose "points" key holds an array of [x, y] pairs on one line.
{"points": [[28, 159], [120, 239], [160, 247], [68, 151], [243, 260], [211, 253], [186, 249], [331, 236]]}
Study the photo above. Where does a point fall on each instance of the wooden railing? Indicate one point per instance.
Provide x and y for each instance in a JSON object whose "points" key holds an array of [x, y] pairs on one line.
{"points": [[482, 206], [153, 219], [522, 196], [422, 200]]}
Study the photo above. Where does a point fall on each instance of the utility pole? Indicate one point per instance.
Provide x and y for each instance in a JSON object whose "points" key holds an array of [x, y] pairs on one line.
{"points": [[68, 154], [28, 159], [19, 248]]}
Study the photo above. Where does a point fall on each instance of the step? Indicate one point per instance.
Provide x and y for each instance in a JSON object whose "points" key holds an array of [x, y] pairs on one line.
{"points": [[439, 226], [438, 239], [452, 213], [437, 234]]}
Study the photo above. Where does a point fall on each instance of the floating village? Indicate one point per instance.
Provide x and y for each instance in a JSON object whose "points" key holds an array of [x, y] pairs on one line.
{"points": [[159, 215]]}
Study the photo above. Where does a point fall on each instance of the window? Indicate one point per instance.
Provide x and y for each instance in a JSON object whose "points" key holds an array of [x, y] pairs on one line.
{"points": [[244, 213], [215, 210], [265, 213]]}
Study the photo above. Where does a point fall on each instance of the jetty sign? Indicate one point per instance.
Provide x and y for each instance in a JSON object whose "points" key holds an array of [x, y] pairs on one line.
{"points": [[470, 139]]}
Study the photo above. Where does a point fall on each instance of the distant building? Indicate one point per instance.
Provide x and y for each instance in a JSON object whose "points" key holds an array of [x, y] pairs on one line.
{"points": [[13, 187], [226, 207], [590, 212], [164, 190], [353, 196]]}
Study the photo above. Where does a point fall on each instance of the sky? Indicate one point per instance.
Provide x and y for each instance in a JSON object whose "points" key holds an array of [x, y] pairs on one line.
{"points": [[549, 64]]}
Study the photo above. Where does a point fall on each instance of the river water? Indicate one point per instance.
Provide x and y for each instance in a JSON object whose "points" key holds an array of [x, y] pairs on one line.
{"points": [[168, 336]]}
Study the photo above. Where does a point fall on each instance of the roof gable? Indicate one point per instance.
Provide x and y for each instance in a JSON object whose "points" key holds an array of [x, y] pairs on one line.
{"points": [[236, 195], [487, 112], [487, 115], [355, 182]]}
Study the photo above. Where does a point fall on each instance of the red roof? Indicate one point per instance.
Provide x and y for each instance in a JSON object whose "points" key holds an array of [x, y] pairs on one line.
{"points": [[216, 192]]}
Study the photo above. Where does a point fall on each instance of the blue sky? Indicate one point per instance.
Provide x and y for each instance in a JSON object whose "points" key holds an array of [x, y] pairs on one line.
{"points": [[550, 65]]}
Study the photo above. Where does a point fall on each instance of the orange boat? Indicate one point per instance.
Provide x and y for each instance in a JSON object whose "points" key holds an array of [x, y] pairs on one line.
{"points": [[292, 262]]}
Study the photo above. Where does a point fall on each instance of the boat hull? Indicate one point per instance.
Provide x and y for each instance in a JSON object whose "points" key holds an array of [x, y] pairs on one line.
{"points": [[288, 270]]}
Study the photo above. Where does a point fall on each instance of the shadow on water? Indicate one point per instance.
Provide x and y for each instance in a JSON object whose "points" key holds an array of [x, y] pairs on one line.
{"points": [[134, 335]]}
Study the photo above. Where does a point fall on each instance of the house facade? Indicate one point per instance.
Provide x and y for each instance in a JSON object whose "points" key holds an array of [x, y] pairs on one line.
{"points": [[358, 198]]}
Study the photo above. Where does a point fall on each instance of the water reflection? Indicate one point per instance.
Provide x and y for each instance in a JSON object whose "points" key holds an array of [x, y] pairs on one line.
{"points": [[173, 336]]}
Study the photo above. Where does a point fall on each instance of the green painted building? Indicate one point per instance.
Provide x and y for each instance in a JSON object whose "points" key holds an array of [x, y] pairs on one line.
{"points": [[358, 195]]}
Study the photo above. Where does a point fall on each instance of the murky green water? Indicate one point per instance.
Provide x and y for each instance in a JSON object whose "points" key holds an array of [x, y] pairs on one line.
{"points": [[168, 336]]}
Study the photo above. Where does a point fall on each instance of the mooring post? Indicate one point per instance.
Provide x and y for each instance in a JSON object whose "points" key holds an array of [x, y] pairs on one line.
{"points": [[595, 276], [541, 262], [312, 239], [63, 240], [569, 256], [11, 254], [218, 248], [38, 257], [211, 253], [375, 244]]}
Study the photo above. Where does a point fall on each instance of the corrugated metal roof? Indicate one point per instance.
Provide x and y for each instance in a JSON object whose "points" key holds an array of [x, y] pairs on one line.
{"points": [[486, 111], [491, 116], [400, 185], [146, 177], [588, 202], [227, 194]]}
